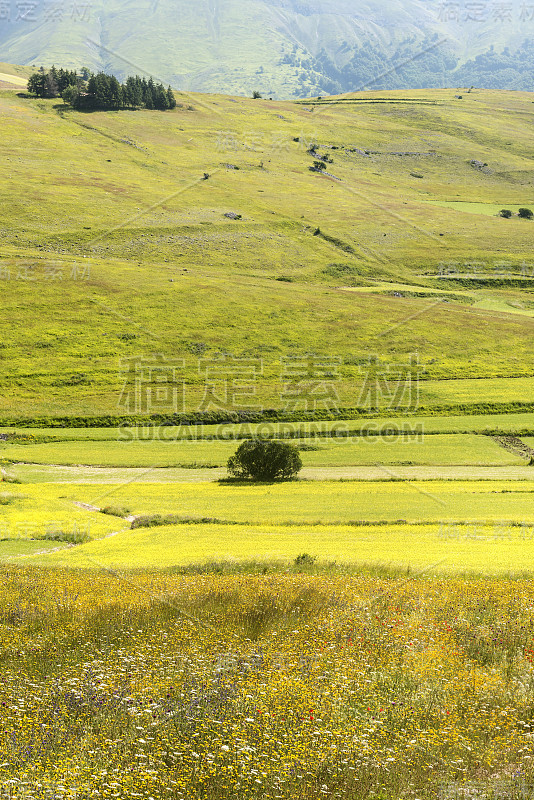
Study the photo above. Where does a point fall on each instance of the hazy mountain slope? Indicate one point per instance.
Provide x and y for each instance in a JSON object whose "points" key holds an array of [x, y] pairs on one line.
{"points": [[281, 47]]}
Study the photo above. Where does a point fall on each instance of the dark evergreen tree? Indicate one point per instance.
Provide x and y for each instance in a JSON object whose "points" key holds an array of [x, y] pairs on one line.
{"points": [[171, 99], [133, 92], [161, 101], [114, 91], [91, 85], [71, 95]]}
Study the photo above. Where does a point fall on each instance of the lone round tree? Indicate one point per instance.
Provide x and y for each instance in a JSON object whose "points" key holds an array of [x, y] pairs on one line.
{"points": [[265, 460]]}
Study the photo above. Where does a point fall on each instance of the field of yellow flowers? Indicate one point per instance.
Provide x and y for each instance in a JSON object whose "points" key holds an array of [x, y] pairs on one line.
{"points": [[163, 685]]}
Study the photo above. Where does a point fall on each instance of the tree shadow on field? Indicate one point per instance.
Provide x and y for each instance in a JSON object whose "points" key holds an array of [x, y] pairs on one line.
{"points": [[253, 482], [65, 108]]}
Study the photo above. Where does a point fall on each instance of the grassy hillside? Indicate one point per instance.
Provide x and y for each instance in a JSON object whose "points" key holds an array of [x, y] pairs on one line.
{"points": [[14, 77], [115, 244]]}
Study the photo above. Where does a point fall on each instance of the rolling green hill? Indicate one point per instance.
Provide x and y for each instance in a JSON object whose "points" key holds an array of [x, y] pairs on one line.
{"points": [[115, 244]]}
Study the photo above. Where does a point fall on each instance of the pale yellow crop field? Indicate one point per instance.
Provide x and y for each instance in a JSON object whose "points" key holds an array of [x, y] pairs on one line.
{"points": [[449, 547]]}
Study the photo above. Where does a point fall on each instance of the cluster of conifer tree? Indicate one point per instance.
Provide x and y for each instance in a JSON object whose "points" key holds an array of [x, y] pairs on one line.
{"points": [[87, 91], [55, 81]]}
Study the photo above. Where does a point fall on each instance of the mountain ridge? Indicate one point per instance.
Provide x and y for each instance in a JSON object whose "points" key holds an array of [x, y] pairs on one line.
{"points": [[283, 48]]}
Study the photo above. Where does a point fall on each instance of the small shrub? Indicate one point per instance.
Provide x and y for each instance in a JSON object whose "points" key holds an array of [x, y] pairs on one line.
{"points": [[71, 537], [197, 348], [340, 270], [304, 560], [115, 511], [525, 213], [153, 520], [505, 212]]}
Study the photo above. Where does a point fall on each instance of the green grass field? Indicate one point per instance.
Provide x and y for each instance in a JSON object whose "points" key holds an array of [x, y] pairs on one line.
{"points": [[109, 476], [462, 525], [13, 76], [484, 525], [35, 510], [294, 503], [445, 449], [486, 209], [21, 549], [454, 493], [515, 423], [322, 502]]}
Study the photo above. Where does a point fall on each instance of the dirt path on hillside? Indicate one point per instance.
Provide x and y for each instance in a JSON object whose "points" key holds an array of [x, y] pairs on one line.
{"points": [[86, 506]]}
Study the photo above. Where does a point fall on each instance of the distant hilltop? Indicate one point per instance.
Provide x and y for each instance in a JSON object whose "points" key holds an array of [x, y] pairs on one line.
{"points": [[282, 48]]}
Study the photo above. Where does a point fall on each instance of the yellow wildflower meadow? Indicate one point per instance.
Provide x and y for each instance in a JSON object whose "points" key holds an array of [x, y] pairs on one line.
{"points": [[158, 685]]}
